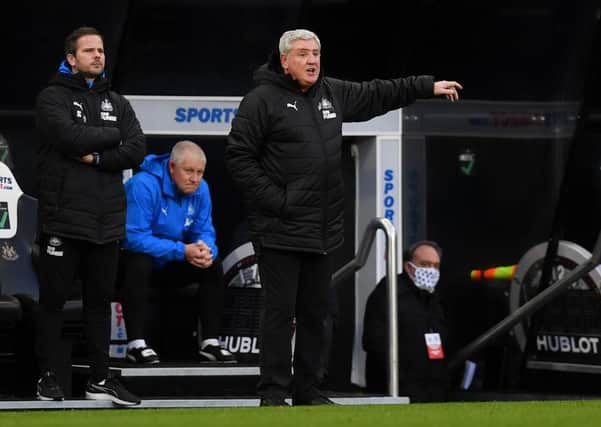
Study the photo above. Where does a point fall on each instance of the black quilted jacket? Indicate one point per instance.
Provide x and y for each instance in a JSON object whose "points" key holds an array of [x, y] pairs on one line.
{"points": [[79, 200], [284, 152]]}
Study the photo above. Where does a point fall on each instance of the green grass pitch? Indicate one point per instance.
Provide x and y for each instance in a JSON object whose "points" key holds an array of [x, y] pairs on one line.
{"points": [[580, 413]]}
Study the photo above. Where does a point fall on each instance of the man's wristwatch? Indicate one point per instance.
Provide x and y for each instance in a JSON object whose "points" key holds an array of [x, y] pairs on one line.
{"points": [[96, 160]]}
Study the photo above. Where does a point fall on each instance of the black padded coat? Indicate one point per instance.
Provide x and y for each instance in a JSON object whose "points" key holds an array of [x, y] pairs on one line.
{"points": [[78, 200], [284, 152], [419, 312]]}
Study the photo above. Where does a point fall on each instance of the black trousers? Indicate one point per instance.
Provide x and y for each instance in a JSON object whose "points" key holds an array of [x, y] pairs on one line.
{"points": [[138, 274], [295, 285], [61, 259]]}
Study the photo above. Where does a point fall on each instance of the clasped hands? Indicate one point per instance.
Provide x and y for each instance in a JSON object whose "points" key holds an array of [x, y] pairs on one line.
{"points": [[199, 254]]}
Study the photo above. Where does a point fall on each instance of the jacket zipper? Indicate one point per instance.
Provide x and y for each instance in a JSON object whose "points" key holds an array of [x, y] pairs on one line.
{"points": [[324, 179]]}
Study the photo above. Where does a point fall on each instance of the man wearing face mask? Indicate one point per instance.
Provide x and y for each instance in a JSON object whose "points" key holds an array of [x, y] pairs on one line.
{"points": [[422, 330]]}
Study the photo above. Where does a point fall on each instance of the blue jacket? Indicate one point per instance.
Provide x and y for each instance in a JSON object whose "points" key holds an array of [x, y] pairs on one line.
{"points": [[160, 220]]}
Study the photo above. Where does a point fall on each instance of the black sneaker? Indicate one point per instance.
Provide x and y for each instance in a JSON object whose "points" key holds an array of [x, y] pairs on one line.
{"points": [[48, 388], [313, 400], [214, 353], [143, 356], [273, 401], [113, 390]]}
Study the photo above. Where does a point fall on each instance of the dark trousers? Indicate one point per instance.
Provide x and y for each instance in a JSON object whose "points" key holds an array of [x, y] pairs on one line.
{"points": [[295, 285], [139, 274], [60, 260]]}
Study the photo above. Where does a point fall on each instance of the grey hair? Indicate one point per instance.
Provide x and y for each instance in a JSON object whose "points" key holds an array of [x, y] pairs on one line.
{"points": [[290, 36], [182, 148]]}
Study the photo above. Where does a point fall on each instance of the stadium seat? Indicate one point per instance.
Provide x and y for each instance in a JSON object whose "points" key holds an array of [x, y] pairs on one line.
{"points": [[10, 315], [16, 274], [19, 284]]}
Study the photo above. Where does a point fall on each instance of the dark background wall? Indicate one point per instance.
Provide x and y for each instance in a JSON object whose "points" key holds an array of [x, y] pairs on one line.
{"points": [[530, 49], [527, 50]]}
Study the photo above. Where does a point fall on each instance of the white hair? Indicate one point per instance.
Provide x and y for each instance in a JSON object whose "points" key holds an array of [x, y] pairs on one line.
{"points": [[182, 148], [290, 36]]}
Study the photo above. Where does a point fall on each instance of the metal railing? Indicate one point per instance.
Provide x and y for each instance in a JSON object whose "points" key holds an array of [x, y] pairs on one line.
{"points": [[391, 273], [529, 307]]}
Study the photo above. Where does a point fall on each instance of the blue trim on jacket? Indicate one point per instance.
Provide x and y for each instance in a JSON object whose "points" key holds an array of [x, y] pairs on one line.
{"points": [[65, 68], [161, 220]]}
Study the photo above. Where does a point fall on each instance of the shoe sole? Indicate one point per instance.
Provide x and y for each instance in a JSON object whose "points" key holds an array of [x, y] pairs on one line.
{"points": [[133, 360], [212, 358], [312, 403], [106, 396], [264, 404], [49, 399]]}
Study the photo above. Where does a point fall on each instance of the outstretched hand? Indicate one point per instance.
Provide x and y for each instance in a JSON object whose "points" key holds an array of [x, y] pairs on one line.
{"points": [[449, 89]]}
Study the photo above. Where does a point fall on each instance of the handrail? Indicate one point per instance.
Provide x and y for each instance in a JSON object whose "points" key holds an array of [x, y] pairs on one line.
{"points": [[357, 263], [530, 307]]}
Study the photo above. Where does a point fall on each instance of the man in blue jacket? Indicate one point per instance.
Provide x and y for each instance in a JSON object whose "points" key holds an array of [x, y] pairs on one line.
{"points": [[170, 239]]}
